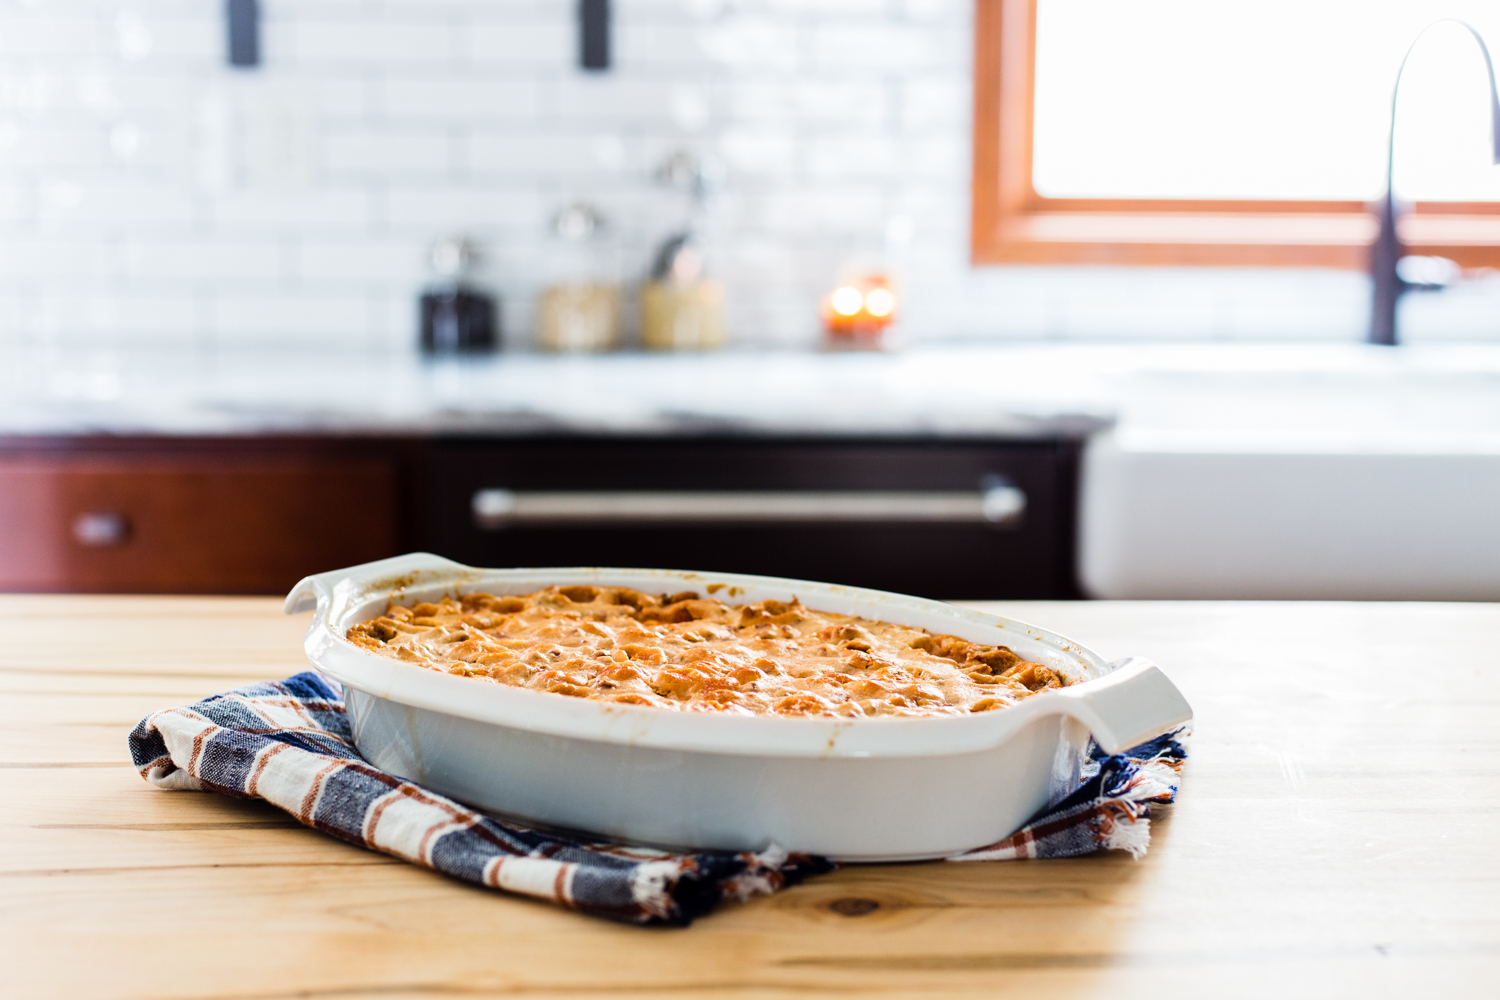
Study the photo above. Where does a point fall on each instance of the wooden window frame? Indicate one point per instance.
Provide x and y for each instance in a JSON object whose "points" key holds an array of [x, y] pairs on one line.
{"points": [[1012, 224]]}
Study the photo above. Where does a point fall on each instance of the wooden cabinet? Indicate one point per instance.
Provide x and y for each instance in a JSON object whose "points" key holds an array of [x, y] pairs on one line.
{"points": [[252, 516], [190, 519]]}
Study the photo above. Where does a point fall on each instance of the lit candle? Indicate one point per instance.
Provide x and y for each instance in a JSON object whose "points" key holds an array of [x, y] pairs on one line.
{"points": [[860, 310]]}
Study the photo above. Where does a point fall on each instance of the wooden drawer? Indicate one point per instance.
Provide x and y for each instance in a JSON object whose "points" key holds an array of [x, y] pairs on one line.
{"points": [[189, 523]]}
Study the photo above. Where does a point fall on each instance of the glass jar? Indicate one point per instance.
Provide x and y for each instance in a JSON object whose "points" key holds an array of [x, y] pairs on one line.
{"points": [[680, 309], [682, 317], [579, 310], [456, 317]]}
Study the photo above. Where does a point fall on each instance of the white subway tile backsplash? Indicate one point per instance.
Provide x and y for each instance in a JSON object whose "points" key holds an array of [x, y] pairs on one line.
{"points": [[934, 157], [190, 259], [360, 262], [17, 203], [69, 205], [463, 100], [436, 211], [64, 258], [151, 195], [314, 212], [953, 13], [15, 332], [845, 209], [30, 144], [863, 46], [755, 45], [659, 48], [339, 100], [388, 151], [142, 90], [818, 103], [611, 101], [494, 43], [767, 150], [935, 105], [544, 154], [847, 155], [872, 9], [373, 41], [1129, 318], [333, 10], [788, 314], [976, 310], [193, 39], [109, 316], [44, 31], [292, 319], [392, 317]]}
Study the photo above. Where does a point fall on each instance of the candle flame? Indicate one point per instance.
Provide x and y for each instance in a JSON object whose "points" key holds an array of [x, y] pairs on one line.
{"points": [[847, 301]]}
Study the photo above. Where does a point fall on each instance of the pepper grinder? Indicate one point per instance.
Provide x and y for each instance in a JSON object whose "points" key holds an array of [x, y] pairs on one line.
{"points": [[456, 317]]}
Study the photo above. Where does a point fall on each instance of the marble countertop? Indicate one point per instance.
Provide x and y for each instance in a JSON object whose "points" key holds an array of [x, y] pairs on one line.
{"points": [[1169, 396], [957, 393]]}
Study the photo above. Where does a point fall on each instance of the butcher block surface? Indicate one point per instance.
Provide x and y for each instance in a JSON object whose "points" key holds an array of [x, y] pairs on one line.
{"points": [[1334, 837]]}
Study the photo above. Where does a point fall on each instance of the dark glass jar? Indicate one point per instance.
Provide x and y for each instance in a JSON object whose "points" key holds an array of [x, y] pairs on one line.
{"points": [[459, 321]]}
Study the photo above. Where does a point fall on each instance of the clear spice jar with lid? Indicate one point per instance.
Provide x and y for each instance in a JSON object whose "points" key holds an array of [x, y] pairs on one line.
{"points": [[579, 310]]}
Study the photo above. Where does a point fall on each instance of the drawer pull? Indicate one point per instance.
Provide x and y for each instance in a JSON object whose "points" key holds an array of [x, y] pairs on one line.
{"points": [[101, 528], [1000, 504]]}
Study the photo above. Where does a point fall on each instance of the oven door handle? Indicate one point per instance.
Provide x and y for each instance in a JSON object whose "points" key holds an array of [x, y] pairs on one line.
{"points": [[1002, 505]]}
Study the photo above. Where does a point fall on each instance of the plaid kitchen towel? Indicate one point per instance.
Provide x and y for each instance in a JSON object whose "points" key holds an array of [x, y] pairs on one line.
{"points": [[290, 744]]}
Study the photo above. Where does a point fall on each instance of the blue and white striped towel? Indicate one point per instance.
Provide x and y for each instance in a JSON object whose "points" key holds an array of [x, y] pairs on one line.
{"points": [[289, 743]]}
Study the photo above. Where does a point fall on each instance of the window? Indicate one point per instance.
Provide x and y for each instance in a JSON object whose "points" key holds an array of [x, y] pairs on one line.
{"points": [[1174, 131]]}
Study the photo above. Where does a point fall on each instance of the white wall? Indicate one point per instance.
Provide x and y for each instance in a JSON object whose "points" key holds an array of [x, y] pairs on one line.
{"points": [[150, 195]]}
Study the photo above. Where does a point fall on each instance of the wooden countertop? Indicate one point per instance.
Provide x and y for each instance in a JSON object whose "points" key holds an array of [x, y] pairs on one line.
{"points": [[1335, 836]]}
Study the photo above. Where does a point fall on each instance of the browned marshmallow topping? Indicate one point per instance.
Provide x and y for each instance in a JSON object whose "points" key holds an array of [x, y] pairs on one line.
{"points": [[693, 653]]}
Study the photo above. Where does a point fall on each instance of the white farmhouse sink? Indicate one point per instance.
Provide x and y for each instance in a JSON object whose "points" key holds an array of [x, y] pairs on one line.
{"points": [[1335, 473]]}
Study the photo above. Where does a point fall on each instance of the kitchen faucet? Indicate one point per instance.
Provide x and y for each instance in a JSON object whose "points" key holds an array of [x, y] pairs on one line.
{"points": [[1387, 254]]}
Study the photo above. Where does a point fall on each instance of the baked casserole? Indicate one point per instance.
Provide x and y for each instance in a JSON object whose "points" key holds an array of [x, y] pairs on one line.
{"points": [[689, 652]]}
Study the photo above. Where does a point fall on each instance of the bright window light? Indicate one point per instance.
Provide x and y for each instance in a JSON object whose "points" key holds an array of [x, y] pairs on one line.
{"points": [[1277, 99]]}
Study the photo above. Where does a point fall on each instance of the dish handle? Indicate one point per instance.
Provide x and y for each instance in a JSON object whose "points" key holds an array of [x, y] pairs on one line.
{"points": [[311, 589], [1131, 704]]}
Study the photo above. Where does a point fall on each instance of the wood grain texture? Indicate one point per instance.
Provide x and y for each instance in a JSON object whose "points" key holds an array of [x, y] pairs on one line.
{"points": [[1334, 838]]}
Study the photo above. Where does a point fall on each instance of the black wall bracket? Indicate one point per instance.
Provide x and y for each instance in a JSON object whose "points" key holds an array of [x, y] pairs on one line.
{"points": [[242, 17], [593, 35]]}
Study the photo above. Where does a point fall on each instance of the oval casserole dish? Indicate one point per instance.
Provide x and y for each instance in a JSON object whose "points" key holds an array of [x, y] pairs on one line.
{"points": [[874, 789]]}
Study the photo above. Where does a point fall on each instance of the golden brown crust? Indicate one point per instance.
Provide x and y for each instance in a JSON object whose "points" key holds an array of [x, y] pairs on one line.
{"points": [[687, 652]]}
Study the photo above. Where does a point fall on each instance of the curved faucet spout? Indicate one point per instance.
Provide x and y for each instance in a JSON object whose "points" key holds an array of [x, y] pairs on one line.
{"points": [[1386, 253]]}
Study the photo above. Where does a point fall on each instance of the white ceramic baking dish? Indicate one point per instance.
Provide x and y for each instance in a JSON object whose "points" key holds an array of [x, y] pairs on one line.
{"points": [[853, 789]]}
